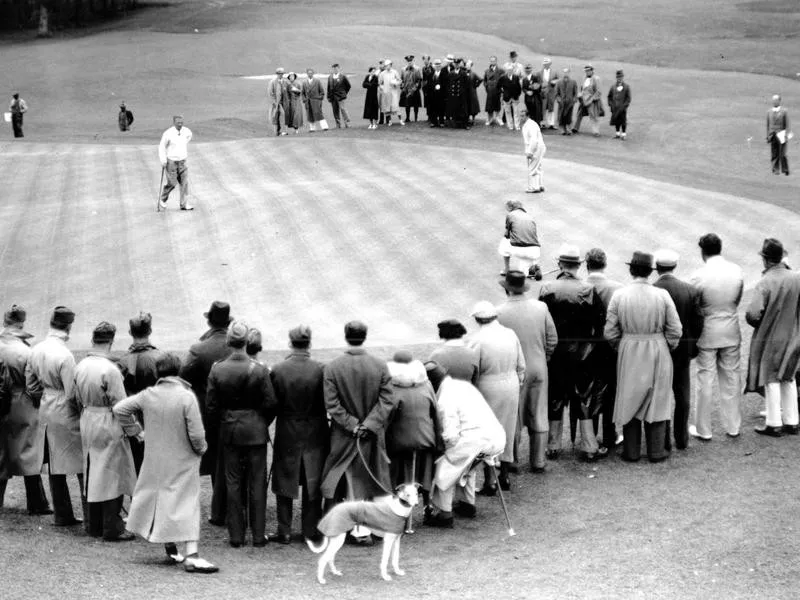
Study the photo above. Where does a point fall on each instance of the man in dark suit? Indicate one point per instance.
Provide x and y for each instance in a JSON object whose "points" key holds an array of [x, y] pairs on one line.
{"points": [[603, 357], [358, 397], [202, 355], [437, 91], [338, 88], [240, 397], [687, 302], [301, 437], [510, 92], [777, 131], [427, 74], [532, 94]]}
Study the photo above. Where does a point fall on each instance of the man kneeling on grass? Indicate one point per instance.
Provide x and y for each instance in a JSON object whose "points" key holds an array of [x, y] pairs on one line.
{"points": [[166, 502], [469, 430]]}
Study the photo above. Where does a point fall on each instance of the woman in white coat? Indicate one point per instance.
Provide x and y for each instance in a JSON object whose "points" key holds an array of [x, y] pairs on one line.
{"points": [[166, 503], [389, 87]]}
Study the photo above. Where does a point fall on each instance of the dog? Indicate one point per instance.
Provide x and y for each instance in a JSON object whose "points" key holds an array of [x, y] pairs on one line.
{"points": [[385, 516]]}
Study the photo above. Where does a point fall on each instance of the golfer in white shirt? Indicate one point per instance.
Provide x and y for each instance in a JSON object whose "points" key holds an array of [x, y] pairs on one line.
{"points": [[173, 151]]}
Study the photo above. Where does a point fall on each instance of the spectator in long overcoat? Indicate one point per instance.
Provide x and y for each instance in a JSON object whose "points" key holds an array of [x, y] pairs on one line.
{"points": [[358, 397], [371, 106], [566, 94], [294, 102], [456, 358], [530, 319], [302, 437], [165, 507], [411, 437], [18, 428], [501, 372], [491, 83], [475, 82], [202, 355], [774, 312]]}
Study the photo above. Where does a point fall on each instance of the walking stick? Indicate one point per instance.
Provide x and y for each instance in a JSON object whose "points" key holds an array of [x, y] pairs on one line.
{"points": [[511, 532], [410, 520], [160, 186]]}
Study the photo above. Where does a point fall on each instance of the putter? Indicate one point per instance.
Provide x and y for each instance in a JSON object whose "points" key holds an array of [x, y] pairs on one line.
{"points": [[410, 520], [511, 532], [160, 186]]}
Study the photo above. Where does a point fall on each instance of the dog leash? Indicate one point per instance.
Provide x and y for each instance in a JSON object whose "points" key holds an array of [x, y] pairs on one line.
{"points": [[369, 471]]}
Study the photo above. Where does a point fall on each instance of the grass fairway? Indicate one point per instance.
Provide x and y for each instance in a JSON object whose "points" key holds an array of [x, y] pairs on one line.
{"points": [[399, 227]]}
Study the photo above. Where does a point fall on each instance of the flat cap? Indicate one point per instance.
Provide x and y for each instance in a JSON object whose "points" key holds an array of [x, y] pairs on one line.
{"points": [[237, 331], [62, 316], [141, 324], [484, 310], [103, 333], [301, 333], [402, 356], [666, 258], [588, 68], [546, 61], [355, 331], [15, 315]]}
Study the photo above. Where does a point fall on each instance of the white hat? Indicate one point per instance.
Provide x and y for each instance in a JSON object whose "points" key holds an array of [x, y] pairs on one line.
{"points": [[666, 258], [569, 253], [484, 310], [546, 61]]}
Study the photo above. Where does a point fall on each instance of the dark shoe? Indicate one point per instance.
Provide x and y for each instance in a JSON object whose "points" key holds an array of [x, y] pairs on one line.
{"points": [[235, 544], [574, 131], [552, 454], [513, 469], [658, 459], [539, 191], [538, 470], [791, 429], [360, 541], [487, 490], [602, 452], [769, 430], [125, 536], [41, 511], [217, 522], [627, 458], [280, 538], [69, 523], [262, 542], [439, 520], [730, 435], [466, 510], [505, 483]]}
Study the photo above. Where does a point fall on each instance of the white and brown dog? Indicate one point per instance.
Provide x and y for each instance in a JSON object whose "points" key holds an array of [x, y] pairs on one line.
{"points": [[385, 516]]}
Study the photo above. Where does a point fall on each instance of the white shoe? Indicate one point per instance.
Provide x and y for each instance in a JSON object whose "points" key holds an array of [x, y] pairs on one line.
{"points": [[693, 432], [162, 205], [187, 207], [195, 564], [617, 134]]}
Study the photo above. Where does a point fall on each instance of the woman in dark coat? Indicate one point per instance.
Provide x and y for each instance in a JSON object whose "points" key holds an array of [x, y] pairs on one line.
{"points": [[475, 82], [371, 107], [294, 104], [411, 438]]}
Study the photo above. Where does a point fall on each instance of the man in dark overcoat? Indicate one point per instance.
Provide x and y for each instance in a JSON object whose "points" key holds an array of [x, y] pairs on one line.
{"points": [[427, 75], [302, 437], [566, 94], [491, 81], [138, 366], [687, 302], [202, 355], [358, 397], [241, 399]]}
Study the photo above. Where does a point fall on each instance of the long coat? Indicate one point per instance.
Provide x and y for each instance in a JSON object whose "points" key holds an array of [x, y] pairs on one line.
{"points": [[19, 428], [532, 94], [549, 89], [591, 97], [50, 379], [212, 347], [457, 98], [501, 372], [413, 425], [774, 312], [313, 95], [371, 106], [107, 458], [294, 104], [642, 323], [566, 94], [166, 502], [687, 303], [411, 83], [427, 76], [491, 81], [457, 359], [357, 390], [619, 98], [531, 321], [475, 82], [389, 84], [302, 436]]}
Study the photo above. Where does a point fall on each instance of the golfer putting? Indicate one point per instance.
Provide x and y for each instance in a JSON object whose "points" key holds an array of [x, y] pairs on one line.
{"points": [[173, 152]]}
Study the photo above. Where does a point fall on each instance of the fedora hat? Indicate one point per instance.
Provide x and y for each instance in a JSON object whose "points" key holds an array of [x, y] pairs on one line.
{"points": [[515, 281], [569, 254], [772, 250], [641, 259], [219, 314]]}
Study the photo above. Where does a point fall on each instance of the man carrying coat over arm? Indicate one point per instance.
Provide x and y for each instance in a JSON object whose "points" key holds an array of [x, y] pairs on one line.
{"points": [[358, 397]]}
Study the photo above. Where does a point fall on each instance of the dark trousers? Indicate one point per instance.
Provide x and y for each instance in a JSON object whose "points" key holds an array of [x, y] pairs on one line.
{"points": [[780, 164], [62, 502], [246, 465], [219, 494], [16, 123], [681, 388], [310, 510], [137, 451], [177, 174], [103, 519], [655, 438], [34, 494]]}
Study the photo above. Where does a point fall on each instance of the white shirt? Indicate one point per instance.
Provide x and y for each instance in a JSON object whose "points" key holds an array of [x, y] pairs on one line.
{"points": [[532, 136], [546, 75], [174, 144], [720, 285]]}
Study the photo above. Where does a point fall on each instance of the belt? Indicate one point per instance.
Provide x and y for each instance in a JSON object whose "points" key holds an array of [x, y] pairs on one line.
{"points": [[643, 336]]}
